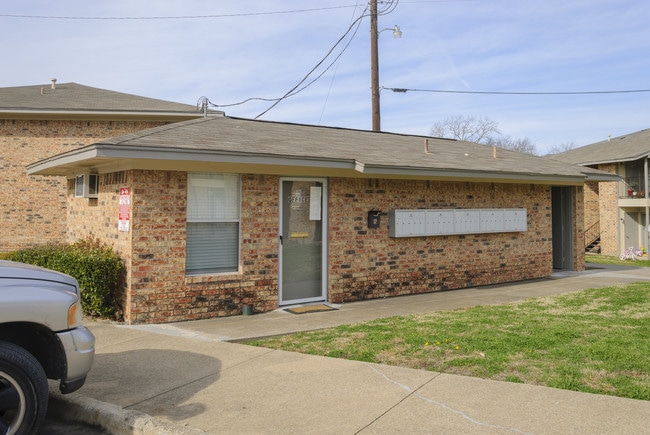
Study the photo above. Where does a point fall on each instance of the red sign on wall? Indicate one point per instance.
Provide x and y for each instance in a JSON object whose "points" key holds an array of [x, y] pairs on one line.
{"points": [[124, 212]]}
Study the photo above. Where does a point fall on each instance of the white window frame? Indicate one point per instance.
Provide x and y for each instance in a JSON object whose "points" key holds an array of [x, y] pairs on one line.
{"points": [[213, 205]]}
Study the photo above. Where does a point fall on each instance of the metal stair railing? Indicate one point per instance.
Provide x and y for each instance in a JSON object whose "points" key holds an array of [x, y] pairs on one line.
{"points": [[592, 234]]}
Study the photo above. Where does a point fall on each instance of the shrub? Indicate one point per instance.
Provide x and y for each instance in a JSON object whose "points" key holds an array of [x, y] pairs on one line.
{"points": [[95, 265]]}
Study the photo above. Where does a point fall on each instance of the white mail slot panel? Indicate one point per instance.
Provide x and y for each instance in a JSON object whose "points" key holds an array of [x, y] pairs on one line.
{"points": [[515, 219], [467, 222], [439, 222], [408, 223], [421, 222], [491, 221]]}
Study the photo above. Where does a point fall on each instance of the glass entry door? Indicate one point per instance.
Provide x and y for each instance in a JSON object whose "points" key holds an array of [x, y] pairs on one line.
{"points": [[302, 240]]}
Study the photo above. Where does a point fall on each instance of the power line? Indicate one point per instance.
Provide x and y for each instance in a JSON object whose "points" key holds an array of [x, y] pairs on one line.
{"points": [[176, 17], [442, 91], [387, 7], [390, 6], [329, 89], [293, 90], [297, 89]]}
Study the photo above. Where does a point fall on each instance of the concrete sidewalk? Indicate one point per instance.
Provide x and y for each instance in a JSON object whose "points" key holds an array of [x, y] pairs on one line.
{"points": [[185, 378]]}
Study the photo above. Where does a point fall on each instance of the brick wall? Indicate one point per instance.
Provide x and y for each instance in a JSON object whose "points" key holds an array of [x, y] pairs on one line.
{"points": [[363, 263], [609, 213], [592, 206], [157, 289], [367, 263], [33, 207], [98, 218], [578, 220]]}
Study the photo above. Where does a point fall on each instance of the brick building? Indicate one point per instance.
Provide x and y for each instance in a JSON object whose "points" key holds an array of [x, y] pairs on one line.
{"points": [[44, 120], [219, 212], [616, 211]]}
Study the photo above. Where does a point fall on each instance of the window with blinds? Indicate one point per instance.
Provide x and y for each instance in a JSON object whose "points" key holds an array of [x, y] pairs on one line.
{"points": [[213, 211]]}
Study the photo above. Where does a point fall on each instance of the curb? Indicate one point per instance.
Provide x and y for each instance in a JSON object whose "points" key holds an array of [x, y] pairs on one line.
{"points": [[116, 420]]}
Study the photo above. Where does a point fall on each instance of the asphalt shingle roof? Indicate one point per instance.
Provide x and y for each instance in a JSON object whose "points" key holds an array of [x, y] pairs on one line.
{"points": [[76, 97], [628, 147], [365, 151]]}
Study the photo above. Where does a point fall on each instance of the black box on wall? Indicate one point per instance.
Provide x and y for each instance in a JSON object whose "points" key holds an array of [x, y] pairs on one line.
{"points": [[374, 219]]}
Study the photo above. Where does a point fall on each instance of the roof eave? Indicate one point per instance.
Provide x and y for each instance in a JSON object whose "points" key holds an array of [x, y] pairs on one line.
{"points": [[63, 114], [471, 175], [108, 158], [101, 156], [644, 155], [602, 177]]}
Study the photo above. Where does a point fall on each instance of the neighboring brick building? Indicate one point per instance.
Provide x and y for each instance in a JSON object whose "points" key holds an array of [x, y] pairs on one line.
{"points": [[44, 120], [216, 213], [617, 210]]}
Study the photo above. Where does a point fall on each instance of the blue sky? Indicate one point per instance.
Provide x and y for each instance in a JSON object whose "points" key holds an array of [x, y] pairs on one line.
{"points": [[262, 49]]}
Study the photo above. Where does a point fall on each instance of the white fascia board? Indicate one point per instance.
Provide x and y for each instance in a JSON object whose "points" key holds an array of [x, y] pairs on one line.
{"points": [[80, 155], [85, 156], [106, 152], [644, 155], [468, 175], [602, 177], [97, 114], [150, 153]]}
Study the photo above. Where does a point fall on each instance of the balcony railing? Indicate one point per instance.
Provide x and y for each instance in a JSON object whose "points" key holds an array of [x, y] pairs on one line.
{"points": [[633, 188]]}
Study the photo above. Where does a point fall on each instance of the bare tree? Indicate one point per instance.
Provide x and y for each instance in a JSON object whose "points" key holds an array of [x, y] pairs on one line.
{"points": [[467, 128], [480, 130], [560, 148], [523, 145]]}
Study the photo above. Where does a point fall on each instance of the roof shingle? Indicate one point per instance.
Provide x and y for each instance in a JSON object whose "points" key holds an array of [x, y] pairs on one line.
{"points": [[619, 149], [76, 97], [364, 152]]}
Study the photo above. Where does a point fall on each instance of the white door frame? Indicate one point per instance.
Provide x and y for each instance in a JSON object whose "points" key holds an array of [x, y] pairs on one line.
{"points": [[284, 237]]}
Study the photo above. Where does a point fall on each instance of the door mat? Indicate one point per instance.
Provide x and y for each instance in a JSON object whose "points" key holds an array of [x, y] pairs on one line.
{"points": [[310, 309]]}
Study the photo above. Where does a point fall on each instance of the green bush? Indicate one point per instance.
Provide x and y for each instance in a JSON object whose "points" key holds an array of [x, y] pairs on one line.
{"points": [[95, 265]]}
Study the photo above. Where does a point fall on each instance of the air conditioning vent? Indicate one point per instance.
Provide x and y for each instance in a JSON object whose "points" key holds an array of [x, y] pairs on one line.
{"points": [[86, 186]]}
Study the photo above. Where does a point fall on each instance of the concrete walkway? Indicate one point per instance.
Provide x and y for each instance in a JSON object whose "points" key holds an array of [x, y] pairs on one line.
{"points": [[188, 378]]}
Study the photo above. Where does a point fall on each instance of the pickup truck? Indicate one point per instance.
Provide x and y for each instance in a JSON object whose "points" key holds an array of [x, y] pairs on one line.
{"points": [[41, 338]]}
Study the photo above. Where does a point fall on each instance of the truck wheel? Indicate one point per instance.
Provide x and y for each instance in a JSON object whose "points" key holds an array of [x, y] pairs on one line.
{"points": [[24, 391]]}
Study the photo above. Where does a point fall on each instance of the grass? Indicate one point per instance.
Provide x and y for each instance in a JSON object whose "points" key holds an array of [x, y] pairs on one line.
{"points": [[595, 341], [605, 259]]}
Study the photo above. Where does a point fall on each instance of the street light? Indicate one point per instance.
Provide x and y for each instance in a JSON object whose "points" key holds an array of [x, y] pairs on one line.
{"points": [[374, 63], [397, 32]]}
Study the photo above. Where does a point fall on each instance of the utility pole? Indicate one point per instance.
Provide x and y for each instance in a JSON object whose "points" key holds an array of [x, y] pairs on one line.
{"points": [[374, 66]]}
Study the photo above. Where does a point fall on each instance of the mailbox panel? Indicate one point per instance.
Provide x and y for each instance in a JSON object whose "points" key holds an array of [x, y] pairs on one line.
{"points": [[440, 222], [467, 221], [515, 220], [420, 222], [407, 223], [491, 221]]}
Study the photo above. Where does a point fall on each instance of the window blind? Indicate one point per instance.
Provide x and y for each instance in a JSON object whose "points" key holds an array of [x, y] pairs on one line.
{"points": [[213, 212]]}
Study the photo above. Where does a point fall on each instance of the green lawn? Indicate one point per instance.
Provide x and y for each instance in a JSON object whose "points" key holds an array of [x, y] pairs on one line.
{"points": [[595, 341], [605, 259]]}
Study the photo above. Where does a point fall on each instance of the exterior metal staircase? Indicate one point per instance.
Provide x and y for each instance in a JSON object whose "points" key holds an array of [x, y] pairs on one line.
{"points": [[592, 239]]}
